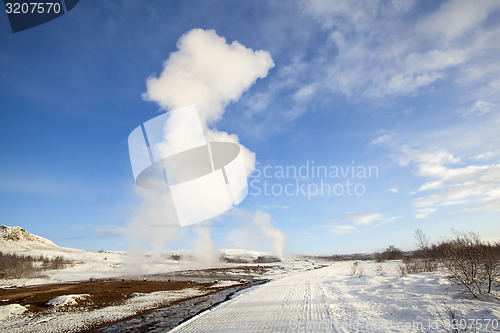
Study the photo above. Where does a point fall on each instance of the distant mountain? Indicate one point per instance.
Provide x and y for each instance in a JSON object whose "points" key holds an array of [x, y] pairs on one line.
{"points": [[20, 238]]}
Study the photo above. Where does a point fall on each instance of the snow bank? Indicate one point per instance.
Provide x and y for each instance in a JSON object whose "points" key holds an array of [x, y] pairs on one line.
{"points": [[11, 310], [66, 300]]}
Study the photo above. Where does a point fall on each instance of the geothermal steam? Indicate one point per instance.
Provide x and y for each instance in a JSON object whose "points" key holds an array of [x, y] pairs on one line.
{"points": [[274, 235], [210, 73]]}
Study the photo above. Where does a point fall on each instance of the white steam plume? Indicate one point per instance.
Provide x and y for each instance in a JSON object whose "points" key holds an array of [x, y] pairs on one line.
{"points": [[153, 223], [207, 72], [277, 237], [206, 254], [210, 73]]}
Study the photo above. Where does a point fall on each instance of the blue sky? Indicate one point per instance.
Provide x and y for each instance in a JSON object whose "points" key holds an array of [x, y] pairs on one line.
{"points": [[411, 88]]}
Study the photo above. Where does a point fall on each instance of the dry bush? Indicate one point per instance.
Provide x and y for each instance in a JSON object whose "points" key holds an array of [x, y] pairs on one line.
{"points": [[423, 259], [380, 270], [452, 320], [391, 253], [13, 266], [471, 262], [402, 270], [354, 268]]}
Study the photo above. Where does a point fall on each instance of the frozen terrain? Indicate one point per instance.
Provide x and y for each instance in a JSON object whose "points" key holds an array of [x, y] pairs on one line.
{"points": [[330, 299], [87, 265], [302, 296]]}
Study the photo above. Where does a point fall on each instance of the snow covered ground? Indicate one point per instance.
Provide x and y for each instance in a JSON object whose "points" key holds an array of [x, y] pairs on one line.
{"points": [[300, 298], [59, 320], [331, 300]]}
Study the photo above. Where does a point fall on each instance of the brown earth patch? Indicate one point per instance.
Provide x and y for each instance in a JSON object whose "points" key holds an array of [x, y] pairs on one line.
{"points": [[102, 293]]}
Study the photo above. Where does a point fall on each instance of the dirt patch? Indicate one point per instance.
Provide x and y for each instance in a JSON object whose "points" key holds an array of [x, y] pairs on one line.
{"points": [[166, 318], [102, 293]]}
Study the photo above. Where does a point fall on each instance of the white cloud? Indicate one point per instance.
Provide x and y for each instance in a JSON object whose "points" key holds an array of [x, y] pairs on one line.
{"points": [[394, 190], [479, 108], [448, 182], [484, 156], [269, 111], [365, 219], [423, 213], [361, 218], [455, 17], [304, 93], [342, 229], [377, 49], [383, 139]]}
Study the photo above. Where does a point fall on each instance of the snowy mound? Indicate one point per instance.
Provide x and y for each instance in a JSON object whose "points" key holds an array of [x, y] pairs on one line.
{"points": [[18, 237], [11, 310], [66, 300]]}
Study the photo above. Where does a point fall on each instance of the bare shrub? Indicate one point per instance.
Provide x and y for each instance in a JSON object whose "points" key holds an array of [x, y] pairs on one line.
{"points": [[58, 262], [423, 259], [13, 266], [471, 262], [402, 270], [380, 270], [360, 270], [392, 253], [490, 263], [452, 320]]}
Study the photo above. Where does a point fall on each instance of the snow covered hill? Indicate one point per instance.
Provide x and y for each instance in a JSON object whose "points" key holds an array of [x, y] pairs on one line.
{"points": [[84, 264], [17, 237]]}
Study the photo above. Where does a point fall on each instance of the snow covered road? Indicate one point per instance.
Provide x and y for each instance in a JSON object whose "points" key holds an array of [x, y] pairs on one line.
{"points": [[332, 299], [277, 306]]}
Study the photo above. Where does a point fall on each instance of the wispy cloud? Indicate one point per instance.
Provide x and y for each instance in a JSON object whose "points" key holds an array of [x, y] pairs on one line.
{"points": [[453, 18], [342, 229], [378, 49], [448, 180], [351, 222]]}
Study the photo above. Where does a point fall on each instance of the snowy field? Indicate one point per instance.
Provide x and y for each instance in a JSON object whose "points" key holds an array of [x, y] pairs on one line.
{"points": [[301, 297], [330, 299]]}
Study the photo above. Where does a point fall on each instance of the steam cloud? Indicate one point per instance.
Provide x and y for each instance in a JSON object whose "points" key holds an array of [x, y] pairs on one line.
{"points": [[277, 237], [152, 223], [207, 72], [210, 73]]}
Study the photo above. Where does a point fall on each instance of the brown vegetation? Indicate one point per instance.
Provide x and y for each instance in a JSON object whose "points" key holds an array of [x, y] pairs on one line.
{"points": [[470, 261], [13, 266]]}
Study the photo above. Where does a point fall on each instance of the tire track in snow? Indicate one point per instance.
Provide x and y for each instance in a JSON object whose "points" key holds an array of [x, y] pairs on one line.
{"points": [[290, 304]]}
